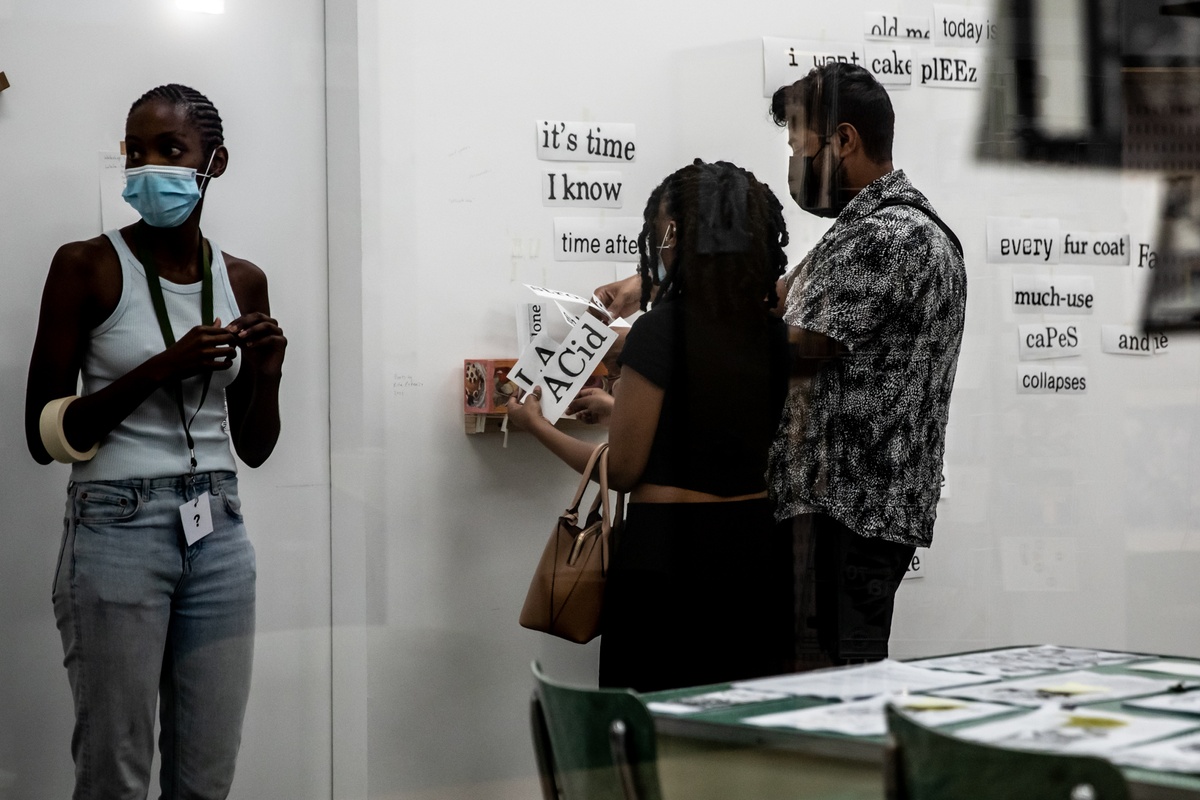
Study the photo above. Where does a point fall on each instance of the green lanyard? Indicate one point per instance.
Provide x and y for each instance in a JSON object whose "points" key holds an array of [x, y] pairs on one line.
{"points": [[164, 323]]}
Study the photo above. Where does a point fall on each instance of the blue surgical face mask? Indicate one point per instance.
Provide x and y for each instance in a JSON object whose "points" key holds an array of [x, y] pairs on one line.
{"points": [[164, 196]]}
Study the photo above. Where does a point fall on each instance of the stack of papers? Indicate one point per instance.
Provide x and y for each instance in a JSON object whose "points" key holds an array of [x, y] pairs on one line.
{"points": [[868, 680], [867, 718], [1189, 668], [1018, 661], [1070, 688], [711, 701], [1083, 731], [1185, 703], [1174, 755]]}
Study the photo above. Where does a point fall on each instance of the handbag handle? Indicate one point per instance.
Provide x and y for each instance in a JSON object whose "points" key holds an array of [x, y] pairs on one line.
{"points": [[611, 520], [601, 467], [598, 463], [594, 461]]}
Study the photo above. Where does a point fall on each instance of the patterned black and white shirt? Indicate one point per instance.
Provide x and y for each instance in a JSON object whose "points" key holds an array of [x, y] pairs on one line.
{"points": [[863, 440]]}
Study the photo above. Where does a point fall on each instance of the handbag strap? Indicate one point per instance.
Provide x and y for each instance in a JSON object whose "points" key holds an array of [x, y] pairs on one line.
{"points": [[610, 520], [598, 466], [586, 477], [601, 499]]}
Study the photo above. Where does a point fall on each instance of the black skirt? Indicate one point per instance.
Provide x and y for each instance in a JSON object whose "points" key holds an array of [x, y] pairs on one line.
{"points": [[698, 593]]}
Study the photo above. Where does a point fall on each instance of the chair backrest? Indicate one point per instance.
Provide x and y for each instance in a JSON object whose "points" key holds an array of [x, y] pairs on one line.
{"points": [[922, 764], [593, 744]]}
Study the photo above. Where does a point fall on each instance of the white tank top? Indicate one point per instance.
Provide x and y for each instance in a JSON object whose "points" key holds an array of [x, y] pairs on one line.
{"points": [[150, 442]]}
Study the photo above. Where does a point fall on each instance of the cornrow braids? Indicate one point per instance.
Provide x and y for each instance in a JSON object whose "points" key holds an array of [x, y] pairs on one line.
{"points": [[200, 111], [730, 282]]}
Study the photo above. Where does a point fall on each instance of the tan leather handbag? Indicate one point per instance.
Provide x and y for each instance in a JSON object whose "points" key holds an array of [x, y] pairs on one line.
{"points": [[566, 595]]}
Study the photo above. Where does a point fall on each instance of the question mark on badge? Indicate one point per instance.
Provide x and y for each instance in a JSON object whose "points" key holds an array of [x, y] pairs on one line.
{"points": [[197, 518]]}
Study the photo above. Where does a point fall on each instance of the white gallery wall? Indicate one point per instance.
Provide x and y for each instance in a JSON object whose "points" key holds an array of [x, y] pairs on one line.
{"points": [[383, 173], [1067, 519], [75, 68]]}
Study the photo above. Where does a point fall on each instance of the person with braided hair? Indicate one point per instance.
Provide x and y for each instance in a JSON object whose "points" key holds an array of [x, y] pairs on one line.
{"points": [[699, 586], [154, 588]]}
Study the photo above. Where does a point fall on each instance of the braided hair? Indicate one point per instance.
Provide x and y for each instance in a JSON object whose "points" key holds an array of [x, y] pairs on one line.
{"points": [[734, 282], [200, 111]]}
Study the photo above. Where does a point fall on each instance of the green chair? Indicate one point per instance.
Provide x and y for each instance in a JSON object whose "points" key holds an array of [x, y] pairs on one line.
{"points": [[592, 744], [922, 764]]}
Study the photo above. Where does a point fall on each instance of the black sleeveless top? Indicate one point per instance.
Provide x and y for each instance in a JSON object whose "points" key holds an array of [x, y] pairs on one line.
{"points": [[724, 387]]}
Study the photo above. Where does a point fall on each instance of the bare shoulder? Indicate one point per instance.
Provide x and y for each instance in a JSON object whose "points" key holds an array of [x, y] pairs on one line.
{"points": [[90, 258], [243, 271], [85, 280], [249, 283]]}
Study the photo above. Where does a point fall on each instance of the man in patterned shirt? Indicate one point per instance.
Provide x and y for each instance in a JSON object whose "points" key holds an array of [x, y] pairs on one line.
{"points": [[877, 312]]}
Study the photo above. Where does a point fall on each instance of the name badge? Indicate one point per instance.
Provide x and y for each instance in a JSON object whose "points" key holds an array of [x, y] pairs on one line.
{"points": [[197, 518]]}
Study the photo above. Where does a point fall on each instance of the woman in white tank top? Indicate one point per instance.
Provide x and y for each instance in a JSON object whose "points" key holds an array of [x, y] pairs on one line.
{"points": [[154, 588]]}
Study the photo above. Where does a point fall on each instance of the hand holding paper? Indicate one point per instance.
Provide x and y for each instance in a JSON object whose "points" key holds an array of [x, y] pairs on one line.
{"points": [[524, 412], [591, 406], [561, 370], [621, 298]]}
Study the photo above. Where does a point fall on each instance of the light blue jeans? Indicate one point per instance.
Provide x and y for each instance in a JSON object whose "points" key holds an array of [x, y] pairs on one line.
{"points": [[146, 619]]}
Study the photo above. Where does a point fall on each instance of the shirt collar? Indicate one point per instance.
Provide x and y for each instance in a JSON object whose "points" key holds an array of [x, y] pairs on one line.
{"points": [[892, 185]]}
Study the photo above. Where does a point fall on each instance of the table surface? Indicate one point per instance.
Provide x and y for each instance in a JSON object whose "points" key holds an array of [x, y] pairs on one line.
{"points": [[698, 748]]}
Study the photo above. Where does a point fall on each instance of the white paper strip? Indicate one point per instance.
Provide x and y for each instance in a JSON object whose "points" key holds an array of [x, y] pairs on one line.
{"points": [[527, 372], [1054, 294], [572, 299], [851, 683], [868, 718], [1185, 703], [596, 238], [962, 26], [786, 61], [114, 211], [1189, 668], [891, 64], [1181, 754], [586, 141], [1012, 240], [1015, 662], [1085, 247], [531, 320], [881, 26], [1080, 731], [573, 364], [571, 319], [1076, 688], [1056, 379], [710, 701], [1129, 340], [1048, 341], [577, 188], [951, 69]]}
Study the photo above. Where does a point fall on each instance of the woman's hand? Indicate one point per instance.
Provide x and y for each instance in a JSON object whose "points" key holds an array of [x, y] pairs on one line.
{"points": [[262, 342], [526, 412], [203, 348], [592, 406], [623, 297]]}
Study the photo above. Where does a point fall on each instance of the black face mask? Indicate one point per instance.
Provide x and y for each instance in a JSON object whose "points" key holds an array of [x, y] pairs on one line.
{"points": [[819, 192]]}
